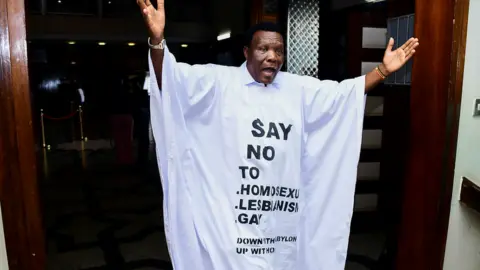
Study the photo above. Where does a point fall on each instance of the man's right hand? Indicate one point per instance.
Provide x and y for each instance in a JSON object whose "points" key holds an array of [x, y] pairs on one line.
{"points": [[154, 19]]}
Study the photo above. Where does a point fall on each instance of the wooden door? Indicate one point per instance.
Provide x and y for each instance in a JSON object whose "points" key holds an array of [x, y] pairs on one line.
{"points": [[384, 147], [18, 174], [436, 90], [263, 11]]}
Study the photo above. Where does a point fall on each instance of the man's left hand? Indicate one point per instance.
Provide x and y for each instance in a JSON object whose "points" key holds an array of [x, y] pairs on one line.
{"points": [[394, 60]]}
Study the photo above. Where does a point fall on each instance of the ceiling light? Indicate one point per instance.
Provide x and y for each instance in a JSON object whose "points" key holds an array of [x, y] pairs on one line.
{"points": [[71, 42], [223, 36], [184, 45], [131, 44], [102, 43], [59, 1]]}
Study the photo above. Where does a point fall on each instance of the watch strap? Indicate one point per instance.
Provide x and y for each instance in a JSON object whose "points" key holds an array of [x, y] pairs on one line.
{"points": [[159, 46]]}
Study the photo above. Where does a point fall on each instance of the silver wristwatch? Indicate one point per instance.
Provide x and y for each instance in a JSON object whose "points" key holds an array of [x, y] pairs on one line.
{"points": [[159, 46]]}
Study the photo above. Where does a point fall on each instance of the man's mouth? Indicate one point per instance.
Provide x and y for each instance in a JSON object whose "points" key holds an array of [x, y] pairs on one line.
{"points": [[269, 71]]}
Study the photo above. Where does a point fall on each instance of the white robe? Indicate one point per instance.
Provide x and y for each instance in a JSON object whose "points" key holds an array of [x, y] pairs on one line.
{"points": [[256, 177]]}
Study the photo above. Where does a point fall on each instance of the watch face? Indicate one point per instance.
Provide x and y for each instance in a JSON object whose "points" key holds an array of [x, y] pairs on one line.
{"points": [[160, 46]]}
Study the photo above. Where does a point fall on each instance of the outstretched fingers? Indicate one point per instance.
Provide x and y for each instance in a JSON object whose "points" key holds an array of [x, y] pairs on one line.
{"points": [[411, 47], [160, 4], [142, 4], [406, 44], [390, 44], [409, 55], [145, 7]]}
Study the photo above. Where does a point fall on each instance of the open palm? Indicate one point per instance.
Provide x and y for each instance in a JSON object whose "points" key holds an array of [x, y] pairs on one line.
{"points": [[154, 17], [394, 60]]}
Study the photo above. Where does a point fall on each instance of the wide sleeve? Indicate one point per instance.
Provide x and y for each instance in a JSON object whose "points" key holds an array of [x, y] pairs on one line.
{"points": [[191, 86], [187, 91], [333, 114], [326, 101]]}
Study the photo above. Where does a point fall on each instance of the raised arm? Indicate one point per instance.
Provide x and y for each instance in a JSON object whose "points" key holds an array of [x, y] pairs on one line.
{"points": [[392, 61], [192, 86], [155, 21]]}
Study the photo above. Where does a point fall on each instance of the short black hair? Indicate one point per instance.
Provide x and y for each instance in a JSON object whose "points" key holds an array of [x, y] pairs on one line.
{"points": [[263, 26]]}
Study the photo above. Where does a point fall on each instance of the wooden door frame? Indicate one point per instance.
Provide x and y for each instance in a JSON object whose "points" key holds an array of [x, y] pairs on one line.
{"points": [[257, 13], [24, 236], [435, 102], [436, 90]]}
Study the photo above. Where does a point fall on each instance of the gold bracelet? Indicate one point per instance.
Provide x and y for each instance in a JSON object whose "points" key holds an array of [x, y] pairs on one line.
{"points": [[380, 73], [378, 67]]}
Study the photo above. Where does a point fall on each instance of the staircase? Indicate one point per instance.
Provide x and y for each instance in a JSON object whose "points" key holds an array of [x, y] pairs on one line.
{"points": [[365, 218], [365, 48]]}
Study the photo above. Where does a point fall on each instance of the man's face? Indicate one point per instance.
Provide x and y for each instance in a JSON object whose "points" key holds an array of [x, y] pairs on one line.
{"points": [[265, 56]]}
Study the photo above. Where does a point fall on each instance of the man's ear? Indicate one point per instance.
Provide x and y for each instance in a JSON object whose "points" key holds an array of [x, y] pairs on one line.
{"points": [[245, 52]]}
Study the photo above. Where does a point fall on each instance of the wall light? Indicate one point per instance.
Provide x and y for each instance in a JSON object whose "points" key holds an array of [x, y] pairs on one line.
{"points": [[71, 42], [131, 44], [184, 45], [223, 36], [102, 43]]}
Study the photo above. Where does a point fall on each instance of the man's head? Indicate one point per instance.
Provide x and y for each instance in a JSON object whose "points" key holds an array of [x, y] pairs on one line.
{"points": [[265, 52]]}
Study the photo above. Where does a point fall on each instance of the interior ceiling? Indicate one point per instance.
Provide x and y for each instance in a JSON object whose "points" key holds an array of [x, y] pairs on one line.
{"points": [[188, 20], [340, 4]]}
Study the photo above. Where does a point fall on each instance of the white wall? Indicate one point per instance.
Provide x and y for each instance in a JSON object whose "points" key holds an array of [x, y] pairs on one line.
{"points": [[463, 242], [3, 251]]}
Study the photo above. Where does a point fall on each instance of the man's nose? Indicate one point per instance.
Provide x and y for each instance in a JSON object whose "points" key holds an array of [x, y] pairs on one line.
{"points": [[271, 56]]}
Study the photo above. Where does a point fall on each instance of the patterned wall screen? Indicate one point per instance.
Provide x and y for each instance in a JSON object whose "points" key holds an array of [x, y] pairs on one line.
{"points": [[401, 29], [303, 26]]}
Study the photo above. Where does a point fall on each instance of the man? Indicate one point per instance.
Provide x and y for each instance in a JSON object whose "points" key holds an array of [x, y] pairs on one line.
{"points": [[258, 166]]}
